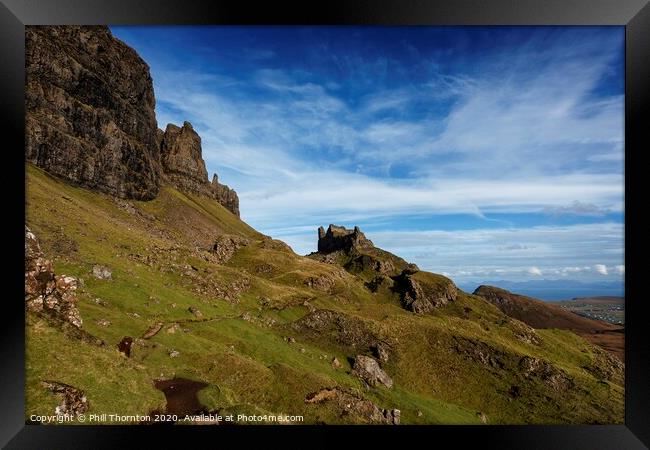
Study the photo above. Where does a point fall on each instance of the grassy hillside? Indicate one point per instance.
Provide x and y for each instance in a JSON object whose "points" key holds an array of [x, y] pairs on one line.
{"points": [[260, 341]]}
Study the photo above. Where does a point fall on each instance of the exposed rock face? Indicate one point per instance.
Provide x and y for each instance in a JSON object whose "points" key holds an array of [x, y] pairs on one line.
{"points": [[340, 238], [45, 291], [90, 110], [90, 119], [422, 298], [353, 404], [183, 166], [369, 371]]}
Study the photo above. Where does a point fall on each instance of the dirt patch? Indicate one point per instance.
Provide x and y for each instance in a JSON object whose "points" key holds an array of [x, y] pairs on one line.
{"points": [[181, 395]]}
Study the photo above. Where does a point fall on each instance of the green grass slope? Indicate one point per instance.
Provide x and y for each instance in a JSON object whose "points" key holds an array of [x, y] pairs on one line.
{"points": [[463, 359]]}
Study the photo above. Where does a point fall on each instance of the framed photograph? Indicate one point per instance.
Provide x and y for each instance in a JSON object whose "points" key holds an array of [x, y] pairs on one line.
{"points": [[378, 218]]}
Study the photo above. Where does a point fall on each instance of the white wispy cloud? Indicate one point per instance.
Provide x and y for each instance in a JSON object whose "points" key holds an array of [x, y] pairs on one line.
{"points": [[519, 132], [601, 269]]}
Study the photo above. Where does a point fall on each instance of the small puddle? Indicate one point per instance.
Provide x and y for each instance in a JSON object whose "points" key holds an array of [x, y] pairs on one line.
{"points": [[181, 395]]}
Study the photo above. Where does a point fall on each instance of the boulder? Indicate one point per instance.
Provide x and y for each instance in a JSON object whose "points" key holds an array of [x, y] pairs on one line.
{"points": [[195, 311], [125, 345], [368, 370], [102, 272], [152, 330]]}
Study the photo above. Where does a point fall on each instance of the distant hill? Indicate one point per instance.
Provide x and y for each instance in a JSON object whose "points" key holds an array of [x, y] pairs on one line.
{"points": [[542, 315], [555, 290]]}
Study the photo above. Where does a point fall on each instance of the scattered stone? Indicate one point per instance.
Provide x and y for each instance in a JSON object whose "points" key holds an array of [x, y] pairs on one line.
{"points": [[153, 330], [125, 346], [482, 417], [174, 353], [102, 272], [73, 400], [246, 317], [135, 315], [420, 413], [100, 302], [290, 340], [173, 328], [336, 363], [103, 323], [195, 311], [368, 370], [302, 350]]}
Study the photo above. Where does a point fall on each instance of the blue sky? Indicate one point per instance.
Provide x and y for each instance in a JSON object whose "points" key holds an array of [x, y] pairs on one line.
{"points": [[478, 152]]}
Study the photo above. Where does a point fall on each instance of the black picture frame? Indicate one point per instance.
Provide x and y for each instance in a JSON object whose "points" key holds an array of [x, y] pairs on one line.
{"points": [[633, 14]]}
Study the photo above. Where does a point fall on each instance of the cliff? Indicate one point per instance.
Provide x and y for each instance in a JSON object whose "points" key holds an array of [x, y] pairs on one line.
{"points": [[90, 119], [90, 111]]}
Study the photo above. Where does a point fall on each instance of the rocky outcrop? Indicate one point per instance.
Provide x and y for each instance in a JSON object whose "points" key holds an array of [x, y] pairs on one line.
{"points": [[73, 400], [368, 370], [184, 168], [182, 159], [354, 405], [225, 196], [90, 119], [46, 292], [340, 238], [423, 296], [226, 245], [90, 110], [555, 378]]}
